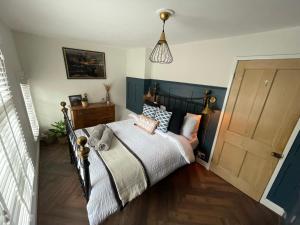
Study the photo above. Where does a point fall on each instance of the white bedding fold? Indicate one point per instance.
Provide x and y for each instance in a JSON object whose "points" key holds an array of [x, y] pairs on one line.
{"points": [[128, 173]]}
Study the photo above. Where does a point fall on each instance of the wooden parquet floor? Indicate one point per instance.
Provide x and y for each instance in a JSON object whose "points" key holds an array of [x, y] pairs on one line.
{"points": [[190, 196]]}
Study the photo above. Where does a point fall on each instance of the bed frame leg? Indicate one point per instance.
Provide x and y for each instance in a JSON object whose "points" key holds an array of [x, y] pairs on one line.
{"points": [[65, 112], [84, 154]]}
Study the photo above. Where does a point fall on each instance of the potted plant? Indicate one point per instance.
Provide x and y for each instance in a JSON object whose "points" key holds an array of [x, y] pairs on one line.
{"points": [[59, 131], [48, 138], [85, 101]]}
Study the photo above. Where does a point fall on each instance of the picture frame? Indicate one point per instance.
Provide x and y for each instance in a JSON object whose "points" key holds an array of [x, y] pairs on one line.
{"points": [[84, 64], [75, 100]]}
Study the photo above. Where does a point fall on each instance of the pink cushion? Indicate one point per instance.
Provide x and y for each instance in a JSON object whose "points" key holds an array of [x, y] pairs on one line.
{"points": [[146, 123]]}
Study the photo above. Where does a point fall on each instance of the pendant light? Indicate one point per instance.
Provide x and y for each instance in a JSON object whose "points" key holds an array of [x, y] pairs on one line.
{"points": [[161, 52]]}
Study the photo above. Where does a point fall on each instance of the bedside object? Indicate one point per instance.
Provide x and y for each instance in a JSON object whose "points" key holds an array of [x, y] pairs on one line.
{"points": [[75, 100], [85, 101], [200, 157], [107, 89], [92, 115]]}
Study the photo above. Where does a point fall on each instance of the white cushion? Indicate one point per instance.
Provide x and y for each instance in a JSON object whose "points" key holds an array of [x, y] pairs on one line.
{"points": [[190, 125], [132, 115], [162, 107]]}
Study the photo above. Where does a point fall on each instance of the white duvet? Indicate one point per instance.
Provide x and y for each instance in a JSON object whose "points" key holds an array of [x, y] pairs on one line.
{"points": [[161, 154]]}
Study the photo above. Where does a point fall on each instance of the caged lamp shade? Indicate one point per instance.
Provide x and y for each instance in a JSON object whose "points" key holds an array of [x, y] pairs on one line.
{"points": [[161, 52]]}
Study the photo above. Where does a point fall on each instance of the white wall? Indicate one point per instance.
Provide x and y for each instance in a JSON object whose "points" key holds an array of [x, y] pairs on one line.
{"points": [[135, 62], [43, 64], [210, 62], [138, 64]]}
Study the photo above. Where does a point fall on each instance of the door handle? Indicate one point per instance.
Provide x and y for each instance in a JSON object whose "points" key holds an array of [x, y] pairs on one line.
{"points": [[277, 155]]}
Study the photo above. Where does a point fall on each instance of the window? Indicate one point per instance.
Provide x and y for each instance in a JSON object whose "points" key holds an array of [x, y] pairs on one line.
{"points": [[16, 168], [30, 110]]}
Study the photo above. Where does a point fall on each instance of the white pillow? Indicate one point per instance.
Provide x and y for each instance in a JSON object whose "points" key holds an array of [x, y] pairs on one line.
{"points": [[198, 118], [132, 115], [190, 125], [162, 107]]}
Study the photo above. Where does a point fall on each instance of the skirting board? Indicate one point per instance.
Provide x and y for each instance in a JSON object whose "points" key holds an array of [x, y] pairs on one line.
{"points": [[34, 204], [272, 206], [202, 162]]}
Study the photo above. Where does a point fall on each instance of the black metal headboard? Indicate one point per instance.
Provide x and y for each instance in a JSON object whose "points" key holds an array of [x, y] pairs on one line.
{"points": [[191, 105], [195, 105]]}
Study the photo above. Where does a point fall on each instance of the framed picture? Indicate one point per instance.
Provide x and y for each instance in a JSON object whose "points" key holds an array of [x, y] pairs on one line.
{"points": [[83, 64], [75, 100]]}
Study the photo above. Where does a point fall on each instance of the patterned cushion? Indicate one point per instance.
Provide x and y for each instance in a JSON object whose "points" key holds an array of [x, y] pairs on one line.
{"points": [[164, 118], [146, 123], [149, 111]]}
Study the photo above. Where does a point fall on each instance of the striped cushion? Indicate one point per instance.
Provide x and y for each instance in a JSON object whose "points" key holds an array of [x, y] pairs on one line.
{"points": [[164, 118], [149, 111]]}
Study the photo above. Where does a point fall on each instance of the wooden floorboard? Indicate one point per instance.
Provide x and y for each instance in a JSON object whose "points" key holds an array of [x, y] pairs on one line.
{"points": [[191, 195]]}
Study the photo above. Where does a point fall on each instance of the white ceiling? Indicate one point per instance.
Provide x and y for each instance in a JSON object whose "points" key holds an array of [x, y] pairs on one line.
{"points": [[135, 23]]}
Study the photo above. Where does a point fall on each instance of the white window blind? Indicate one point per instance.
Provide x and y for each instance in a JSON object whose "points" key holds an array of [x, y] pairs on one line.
{"points": [[16, 168], [30, 110]]}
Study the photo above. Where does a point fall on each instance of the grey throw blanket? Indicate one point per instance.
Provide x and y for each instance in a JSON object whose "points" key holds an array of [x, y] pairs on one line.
{"points": [[105, 142], [96, 135]]}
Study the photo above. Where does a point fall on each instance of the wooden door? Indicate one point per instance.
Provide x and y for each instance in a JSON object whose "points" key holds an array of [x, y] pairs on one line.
{"points": [[262, 110]]}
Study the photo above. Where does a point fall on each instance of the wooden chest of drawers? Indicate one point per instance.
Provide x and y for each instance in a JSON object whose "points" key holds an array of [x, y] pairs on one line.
{"points": [[92, 115]]}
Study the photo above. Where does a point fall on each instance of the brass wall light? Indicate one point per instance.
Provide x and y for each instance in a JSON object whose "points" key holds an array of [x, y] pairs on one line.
{"points": [[161, 52], [209, 100]]}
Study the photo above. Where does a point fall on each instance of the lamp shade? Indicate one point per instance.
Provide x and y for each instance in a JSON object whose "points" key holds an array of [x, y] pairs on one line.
{"points": [[161, 52]]}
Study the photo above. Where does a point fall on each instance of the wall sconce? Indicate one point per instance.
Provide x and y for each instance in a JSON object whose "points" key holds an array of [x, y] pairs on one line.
{"points": [[209, 100]]}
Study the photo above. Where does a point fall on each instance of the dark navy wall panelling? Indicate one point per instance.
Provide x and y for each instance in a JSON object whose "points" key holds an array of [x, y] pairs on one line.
{"points": [[285, 191], [136, 88], [134, 94]]}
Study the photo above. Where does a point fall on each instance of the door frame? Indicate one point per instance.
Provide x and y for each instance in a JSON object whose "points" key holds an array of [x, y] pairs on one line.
{"points": [[269, 204]]}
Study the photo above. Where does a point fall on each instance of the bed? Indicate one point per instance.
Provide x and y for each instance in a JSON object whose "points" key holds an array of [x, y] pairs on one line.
{"points": [[160, 154]]}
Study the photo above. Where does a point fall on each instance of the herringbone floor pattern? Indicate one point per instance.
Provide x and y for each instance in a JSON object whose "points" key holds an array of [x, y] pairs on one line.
{"points": [[191, 195]]}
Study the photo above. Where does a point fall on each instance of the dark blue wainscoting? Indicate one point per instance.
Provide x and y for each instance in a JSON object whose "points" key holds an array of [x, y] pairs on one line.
{"points": [[285, 191], [134, 102], [134, 94]]}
